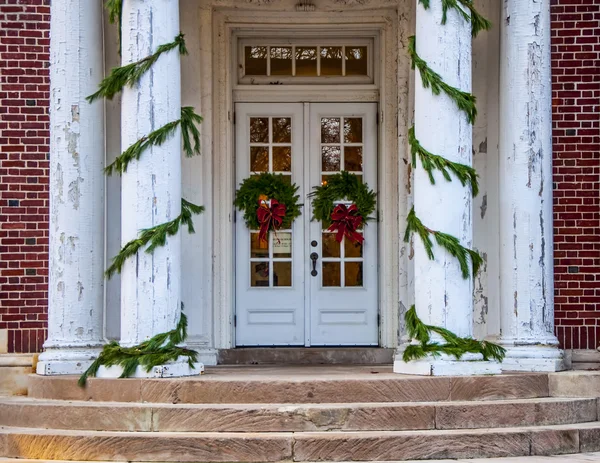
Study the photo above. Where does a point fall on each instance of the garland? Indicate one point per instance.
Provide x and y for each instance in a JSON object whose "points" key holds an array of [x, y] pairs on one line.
{"points": [[466, 175], [158, 350], [263, 187], [344, 185], [454, 345]]}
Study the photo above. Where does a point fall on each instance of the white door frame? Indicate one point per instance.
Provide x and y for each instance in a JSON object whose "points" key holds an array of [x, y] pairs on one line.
{"points": [[227, 25]]}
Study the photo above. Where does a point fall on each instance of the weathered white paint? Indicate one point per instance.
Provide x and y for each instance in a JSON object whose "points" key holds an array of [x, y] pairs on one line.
{"points": [[525, 188], [76, 292], [151, 187], [442, 296]]}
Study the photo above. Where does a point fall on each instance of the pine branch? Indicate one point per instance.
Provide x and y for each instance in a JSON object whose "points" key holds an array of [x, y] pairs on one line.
{"points": [[115, 16], [188, 128], [429, 161], [464, 100], [155, 236], [454, 345], [450, 243], [478, 22], [158, 350], [130, 74]]}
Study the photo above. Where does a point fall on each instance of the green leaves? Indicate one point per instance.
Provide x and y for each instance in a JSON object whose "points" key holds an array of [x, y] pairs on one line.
{"points": [[188, 122], [453, 345], [155, 236], [465, 9], [429, 161], [448, 242], [130, 74], [158, 350], [431, 79]]}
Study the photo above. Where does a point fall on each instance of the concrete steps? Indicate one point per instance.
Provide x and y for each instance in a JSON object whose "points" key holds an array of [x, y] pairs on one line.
{"points": [[383, 416], [301, 447]]}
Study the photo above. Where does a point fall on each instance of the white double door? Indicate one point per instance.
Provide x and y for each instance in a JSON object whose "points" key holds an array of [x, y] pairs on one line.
{"points": [[303, 288]]}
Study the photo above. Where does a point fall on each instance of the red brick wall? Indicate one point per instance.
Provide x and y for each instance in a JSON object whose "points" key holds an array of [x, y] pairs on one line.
{"points": [[576, 140], [24, 168]]}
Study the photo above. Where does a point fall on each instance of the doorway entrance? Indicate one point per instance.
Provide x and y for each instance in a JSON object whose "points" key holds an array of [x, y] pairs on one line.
{"points": [[303, 288]]}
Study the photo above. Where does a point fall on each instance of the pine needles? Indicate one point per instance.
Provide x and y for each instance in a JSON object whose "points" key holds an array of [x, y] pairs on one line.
{"points": [[130, 74], [188, 122], [429, 161], [155, 236], [115, 16], [465, 101], [453, 345], [158, 350], [448, 242], [478, 22]]}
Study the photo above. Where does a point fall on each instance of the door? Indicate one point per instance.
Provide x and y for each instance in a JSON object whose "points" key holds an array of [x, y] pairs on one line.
{"points": [[278, 300]]}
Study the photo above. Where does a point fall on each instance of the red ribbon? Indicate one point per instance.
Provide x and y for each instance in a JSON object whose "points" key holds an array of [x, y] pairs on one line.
{"points": [[269, 217], [345, 221]]}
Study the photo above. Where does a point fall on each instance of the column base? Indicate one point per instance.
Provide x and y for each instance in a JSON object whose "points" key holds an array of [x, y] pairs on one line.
{"points": [[66, 361], [176, 369], [533, 358], [444, 365]]}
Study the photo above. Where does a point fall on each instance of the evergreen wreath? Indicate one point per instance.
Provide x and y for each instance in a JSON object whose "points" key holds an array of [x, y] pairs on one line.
{"points": [[158, 350], [338, 187], [269, 186]]}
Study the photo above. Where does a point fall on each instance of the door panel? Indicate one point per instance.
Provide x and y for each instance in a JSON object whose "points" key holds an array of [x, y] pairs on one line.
{"points": [[270, 278]]}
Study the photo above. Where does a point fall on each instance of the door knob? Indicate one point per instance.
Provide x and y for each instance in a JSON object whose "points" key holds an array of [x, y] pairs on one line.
{"points": [[314, 256]]}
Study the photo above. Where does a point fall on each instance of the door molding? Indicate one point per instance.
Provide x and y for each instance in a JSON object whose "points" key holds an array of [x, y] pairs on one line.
{"points": [[226, 24]]}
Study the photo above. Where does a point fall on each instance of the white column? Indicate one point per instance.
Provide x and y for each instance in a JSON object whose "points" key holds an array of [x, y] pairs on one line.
{"points": [[151, 187], [76, 280], [442, 296], [526, 254]]}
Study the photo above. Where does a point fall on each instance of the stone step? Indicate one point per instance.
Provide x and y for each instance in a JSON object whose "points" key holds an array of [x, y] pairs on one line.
{"points": [[383, 416], [300, 447], [294, 385]]}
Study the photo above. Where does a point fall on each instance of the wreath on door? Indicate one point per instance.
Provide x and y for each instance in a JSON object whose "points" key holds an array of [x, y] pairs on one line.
{"points": [[343, 204], [269, 202]]}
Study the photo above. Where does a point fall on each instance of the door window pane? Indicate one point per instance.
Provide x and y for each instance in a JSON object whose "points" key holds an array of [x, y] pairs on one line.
{"points": [[306, 61], [282, 130], [331, 61], [281, 61], [356, 61], [352, 249], [330, 130], [330, 158], [258, 248], [256, 61], [353, 274], [353, 158], [331, 248], [353, 130], [282, 158], [282, 245], [259, 159], [259, 130], [331, 274], [259, 274], [282, 274]]}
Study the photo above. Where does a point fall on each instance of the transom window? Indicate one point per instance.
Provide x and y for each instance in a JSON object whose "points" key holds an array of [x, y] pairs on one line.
{"points": [[320, 61]]}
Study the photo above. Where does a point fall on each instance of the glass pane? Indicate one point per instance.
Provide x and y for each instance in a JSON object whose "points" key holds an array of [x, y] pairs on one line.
{"points": [[282, 274], [331, 61], [282, 158], [356, 61], [281, 61], [306, 61], [353, 274], [258, 248], [330, 130], [330, 158], [282, 130], [352, 249], [331, 274], [259, 130], [259, 273], [256, 61], [353, 130], [324, 179], [331, 248], [353, 158], [259, 159], [282, 244]]}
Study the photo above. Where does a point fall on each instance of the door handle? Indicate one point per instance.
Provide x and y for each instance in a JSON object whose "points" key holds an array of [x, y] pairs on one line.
{"points": [[314, 256]]}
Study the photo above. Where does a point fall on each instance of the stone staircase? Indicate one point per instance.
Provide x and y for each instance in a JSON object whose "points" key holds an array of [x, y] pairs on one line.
{"points": [[264, 414]]}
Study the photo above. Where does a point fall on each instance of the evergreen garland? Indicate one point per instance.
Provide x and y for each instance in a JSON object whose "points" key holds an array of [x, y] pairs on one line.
{"points": [[464, 100], [429, 161], [448, 242], [131, 73], [272, 186], [189, 131], [454, 345], [158, 350], [115, 16], [156, 236], [478, 22], [344, 185]]}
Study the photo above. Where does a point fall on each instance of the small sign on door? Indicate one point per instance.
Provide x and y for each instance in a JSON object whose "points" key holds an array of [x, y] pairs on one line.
{"points": [[282, 243]]}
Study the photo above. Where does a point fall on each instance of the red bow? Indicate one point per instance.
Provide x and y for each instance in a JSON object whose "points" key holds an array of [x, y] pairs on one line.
{"points": [[345, 221], [269, 216]]}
